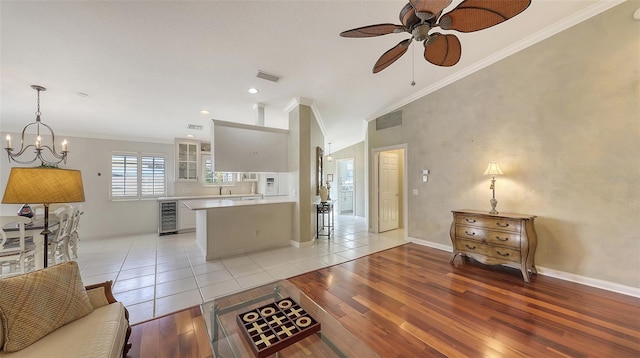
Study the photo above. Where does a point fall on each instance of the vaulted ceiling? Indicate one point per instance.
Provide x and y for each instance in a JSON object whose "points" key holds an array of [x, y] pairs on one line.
{"points": [[144, 70]]}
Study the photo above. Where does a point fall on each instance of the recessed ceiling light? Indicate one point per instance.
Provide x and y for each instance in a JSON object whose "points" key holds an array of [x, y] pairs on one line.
{"points": [[204, 111], [253, 90], [189, 135]]}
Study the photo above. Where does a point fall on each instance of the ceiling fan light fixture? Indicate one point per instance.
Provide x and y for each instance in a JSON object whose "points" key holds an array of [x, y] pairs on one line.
{"points": [[445, 22], [421, 32], [424, 16], [408, 16]]}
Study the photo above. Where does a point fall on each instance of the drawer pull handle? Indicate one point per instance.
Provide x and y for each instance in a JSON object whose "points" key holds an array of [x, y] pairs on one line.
{"points": [[469, 247], [470, 220], [502, 225], [501, 239], [470, 233], [501, 254]]}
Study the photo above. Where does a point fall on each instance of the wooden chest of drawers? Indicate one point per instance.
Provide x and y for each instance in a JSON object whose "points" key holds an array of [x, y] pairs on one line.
{"points": [[508, 239]]}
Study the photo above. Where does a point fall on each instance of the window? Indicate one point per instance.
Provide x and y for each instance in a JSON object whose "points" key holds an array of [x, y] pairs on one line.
{"points": [[136, 176], [152, 177], [216, 178]]}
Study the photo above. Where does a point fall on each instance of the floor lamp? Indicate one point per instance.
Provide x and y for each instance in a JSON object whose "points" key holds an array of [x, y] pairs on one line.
{"points": [[43, 185]]}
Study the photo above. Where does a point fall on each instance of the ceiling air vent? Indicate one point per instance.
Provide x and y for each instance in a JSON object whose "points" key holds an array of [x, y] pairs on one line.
{"points": [[389, 120], [268, 77], [195, 126]]}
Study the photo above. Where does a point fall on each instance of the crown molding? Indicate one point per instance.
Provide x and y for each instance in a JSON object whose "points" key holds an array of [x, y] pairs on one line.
{"points": [[297, 101]]}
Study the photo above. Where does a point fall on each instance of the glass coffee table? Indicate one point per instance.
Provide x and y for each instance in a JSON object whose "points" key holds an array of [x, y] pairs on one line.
{"points": [[228, 340]]}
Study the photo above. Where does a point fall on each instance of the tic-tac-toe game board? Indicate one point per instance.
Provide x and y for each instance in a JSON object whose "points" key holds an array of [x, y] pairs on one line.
{"points": [[273, 327]]}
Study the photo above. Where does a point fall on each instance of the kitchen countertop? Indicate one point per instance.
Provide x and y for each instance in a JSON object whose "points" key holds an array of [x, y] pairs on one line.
{"points": [[201, 197], [204, 204]]}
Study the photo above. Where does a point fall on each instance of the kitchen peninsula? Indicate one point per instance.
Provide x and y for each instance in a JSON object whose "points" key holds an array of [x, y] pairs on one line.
{"points": [[231, 227]]}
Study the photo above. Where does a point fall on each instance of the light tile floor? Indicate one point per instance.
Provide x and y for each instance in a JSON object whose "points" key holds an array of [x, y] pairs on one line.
{"points": [[155, 275]]}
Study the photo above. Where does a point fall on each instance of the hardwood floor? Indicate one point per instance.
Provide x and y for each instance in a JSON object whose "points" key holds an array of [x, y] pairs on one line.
{"points": [[177, 335], [410, 302]]}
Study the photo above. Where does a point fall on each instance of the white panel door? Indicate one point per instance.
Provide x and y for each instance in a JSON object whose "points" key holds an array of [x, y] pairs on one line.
{"points": [[388, 191]]}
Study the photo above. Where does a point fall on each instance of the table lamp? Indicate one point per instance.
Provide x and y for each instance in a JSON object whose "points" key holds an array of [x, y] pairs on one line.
{"points": [[43, 185], [493, 169]]}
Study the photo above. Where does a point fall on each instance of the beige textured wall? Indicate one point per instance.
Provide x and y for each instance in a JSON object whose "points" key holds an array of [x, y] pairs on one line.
{"points": [[316, 139], [356, 152], [294, 169], [304, 136], [563, 120]]}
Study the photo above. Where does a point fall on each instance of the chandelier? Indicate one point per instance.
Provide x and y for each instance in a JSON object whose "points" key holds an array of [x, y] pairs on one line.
{"points": [[52, 156]]}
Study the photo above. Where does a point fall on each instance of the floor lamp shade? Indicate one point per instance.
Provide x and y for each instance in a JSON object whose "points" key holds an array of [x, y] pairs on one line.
{"points": [[43, 186]]}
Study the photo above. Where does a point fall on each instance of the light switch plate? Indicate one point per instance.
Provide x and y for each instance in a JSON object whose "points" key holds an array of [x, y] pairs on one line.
{"points": [[415, 191]]}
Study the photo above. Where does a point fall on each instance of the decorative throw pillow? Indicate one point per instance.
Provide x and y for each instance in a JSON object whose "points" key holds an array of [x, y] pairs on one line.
{"points": [[37, 303]]}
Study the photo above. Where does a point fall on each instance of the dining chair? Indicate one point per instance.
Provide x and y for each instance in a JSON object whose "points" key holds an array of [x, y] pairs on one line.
{"points": [[15, 251], [58, 245], [74, 238], [38, 209]]}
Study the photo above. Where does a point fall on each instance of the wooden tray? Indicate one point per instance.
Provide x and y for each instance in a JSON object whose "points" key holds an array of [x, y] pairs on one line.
{"points": [[273, 327]]}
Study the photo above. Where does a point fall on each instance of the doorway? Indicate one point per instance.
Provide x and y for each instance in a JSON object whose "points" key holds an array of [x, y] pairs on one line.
{"points": [[389, 201], [346, 186]]}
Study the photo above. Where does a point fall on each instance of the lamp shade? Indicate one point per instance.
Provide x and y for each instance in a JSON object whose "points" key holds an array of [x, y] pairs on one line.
{"points": [[43, 186], [493, 169]]}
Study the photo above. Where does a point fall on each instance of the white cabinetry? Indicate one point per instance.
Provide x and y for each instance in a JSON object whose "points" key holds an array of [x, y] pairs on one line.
{"points": [[346, 202], [187, 154], [247, 176], [187, 218]]}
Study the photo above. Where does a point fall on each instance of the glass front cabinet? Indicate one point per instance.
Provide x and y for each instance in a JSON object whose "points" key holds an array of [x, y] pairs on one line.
{"points": [[187, 156]]}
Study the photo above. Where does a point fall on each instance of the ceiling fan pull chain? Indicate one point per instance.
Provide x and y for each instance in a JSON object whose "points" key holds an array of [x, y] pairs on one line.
{"points": [[413, 64]]}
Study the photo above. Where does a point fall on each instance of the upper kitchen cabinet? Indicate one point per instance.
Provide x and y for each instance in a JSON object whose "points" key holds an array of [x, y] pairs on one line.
{"points": [[246, 148], [187, 154], [247, 176]]}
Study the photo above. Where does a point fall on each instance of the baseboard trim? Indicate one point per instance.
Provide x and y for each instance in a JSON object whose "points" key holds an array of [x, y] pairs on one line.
{"points": [[298, 245], [562, 275], [589, 281], [431, 244]]}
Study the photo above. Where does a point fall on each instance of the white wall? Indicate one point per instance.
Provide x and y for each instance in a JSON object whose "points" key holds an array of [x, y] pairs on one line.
{"points": [[102, 217]]}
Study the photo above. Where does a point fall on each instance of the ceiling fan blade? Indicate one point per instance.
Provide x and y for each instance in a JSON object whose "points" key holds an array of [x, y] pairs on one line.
{"points": [[427, 9], [475, 15], [442, 50], [373, 30], [391, 56], [408, 16]]}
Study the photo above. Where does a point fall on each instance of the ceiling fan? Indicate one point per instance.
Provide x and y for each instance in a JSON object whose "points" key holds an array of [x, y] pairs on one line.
{"points": [[419, 17]]}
